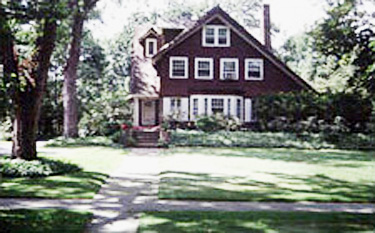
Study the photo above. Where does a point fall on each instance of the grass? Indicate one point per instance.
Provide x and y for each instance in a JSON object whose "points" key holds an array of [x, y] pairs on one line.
{"points": [[250, 174], [97, 163], [270, 222], [44, 220]]}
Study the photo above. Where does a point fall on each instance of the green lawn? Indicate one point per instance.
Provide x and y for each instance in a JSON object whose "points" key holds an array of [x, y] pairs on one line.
{"points": [[97, 163], [252, 174], [268, 222], [45, 220]]}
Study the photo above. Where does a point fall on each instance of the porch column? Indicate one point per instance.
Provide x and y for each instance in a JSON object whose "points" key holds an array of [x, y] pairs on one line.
{"points": [[136, 112]]}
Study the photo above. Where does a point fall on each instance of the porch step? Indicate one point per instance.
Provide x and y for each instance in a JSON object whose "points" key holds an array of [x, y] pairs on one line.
{"points": [[146, 138]]}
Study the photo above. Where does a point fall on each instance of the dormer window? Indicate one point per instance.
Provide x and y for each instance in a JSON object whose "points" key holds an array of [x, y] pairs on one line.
{"points": [[151, 47], [216, 36]]}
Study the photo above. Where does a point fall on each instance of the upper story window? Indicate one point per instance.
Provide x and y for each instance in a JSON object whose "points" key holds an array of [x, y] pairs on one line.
{"points": [[204, 68], [216, 36], [151, 47], [254, 69], [229, 69], [178, 67]]}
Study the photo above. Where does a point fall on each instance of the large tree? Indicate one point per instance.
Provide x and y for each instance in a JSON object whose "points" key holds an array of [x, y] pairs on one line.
{"points": [[27, 72], [347, 37], [80, 9]]}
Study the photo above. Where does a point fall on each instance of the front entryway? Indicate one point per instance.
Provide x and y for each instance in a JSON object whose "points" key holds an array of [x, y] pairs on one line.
{"points": [[148, 113]]}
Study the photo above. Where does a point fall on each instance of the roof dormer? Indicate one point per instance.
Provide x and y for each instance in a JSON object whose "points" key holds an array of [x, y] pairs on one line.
{"points": [[150, 43]]}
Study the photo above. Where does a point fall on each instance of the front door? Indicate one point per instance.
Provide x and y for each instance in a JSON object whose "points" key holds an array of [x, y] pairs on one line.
{"points": [[148, 112]]}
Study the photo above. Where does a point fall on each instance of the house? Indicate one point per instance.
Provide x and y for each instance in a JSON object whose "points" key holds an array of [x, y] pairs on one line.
{"points": [[212, 66]]}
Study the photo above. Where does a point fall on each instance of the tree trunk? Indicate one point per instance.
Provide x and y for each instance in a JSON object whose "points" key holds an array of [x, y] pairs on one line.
{"points": [[70, 77], [28, 99], [70, 72]]}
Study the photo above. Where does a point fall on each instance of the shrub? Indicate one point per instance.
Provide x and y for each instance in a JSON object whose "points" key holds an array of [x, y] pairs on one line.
{"points": [[217, 122], [306, 111], [36, 168], [271, 140], [86, 141]]}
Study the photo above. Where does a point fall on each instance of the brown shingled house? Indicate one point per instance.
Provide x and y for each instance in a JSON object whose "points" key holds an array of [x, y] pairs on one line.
{"points": [[214, 66]]}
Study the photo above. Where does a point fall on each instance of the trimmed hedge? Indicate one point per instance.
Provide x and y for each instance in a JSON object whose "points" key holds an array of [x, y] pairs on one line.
{"points": [[271, 140], [36, 168]]}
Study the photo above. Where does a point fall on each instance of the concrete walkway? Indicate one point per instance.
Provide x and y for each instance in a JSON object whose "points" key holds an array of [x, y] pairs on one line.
{"points": [[132, 189]]}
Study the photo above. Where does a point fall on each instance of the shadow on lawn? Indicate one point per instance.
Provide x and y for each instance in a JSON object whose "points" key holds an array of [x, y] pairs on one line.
{"points": [[293, 155], [74, 185], [202, 186], [255, 222]]}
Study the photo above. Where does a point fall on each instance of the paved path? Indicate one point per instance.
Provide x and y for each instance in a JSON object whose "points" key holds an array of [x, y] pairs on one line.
{"points": [[133, 189]]}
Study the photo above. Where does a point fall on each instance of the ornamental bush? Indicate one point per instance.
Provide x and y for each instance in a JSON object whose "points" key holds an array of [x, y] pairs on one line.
{"points": [[217, 122], [36, 168]]}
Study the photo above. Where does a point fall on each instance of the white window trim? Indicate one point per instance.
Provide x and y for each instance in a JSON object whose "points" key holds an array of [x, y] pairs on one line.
{"points": [[222, 60], [261, 69], [216, 36], [186, 60], [211, 61], [147, 41]]}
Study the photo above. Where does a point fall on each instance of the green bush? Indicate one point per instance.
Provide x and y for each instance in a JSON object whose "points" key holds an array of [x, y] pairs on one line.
{"points": [[306, 111], [217, 122], [36, 168], [271, 140]]}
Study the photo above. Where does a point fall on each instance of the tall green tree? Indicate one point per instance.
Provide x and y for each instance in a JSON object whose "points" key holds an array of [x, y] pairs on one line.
{"points": [[27, 69], [347, 36]]}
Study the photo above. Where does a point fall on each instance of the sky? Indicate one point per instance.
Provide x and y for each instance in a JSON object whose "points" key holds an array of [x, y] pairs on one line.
{"points": [[290, 16]]}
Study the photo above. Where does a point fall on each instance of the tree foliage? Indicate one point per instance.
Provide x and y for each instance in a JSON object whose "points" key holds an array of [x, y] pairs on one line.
{"points": [[347, 37]]}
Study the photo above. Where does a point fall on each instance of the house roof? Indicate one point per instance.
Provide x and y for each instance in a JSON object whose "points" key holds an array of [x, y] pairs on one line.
{"points": [[217, 12], [144, 79]]}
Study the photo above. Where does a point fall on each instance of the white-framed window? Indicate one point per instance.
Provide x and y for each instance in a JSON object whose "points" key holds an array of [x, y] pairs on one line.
{"points": [[178, 67], [254, 69], [217, 105], [204, 68], [151, 47], [229, 69], [215, 36], [175, 104]]}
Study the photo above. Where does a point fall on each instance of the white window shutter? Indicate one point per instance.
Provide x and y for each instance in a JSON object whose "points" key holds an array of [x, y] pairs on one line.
{"points": [[248, 110]]}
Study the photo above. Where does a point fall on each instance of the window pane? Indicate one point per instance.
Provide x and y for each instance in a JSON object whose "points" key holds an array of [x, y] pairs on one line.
{"points": [[238, 112], [151, 45], [210, 36], [203, 69], [217, 106], [178, 69], [223, 36], [195, 107], [254, 69], [229, 70]]}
